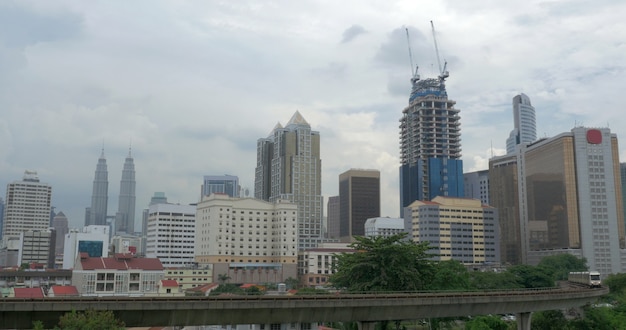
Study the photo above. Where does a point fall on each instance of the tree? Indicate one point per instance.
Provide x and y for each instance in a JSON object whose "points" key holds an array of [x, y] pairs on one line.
{"points": [[292, 283], [531, 277], [450, 275], [222, 278], [226, 288], [383, 264], [548, 320], [560, 265], [486, 323], [616, 283], [90, 320], [493, 281]]}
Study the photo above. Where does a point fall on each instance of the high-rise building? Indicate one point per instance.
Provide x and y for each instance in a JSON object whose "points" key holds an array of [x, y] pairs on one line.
{"points": [[171, 234], [622, 172], [97, 213], [430, 144], [445, 223], [525, 129], [333, 217], [293, 172], [92, 240], [27, 206], [125, 216], [61, 227], [359, 200], [224, 184], [38, 247], [249, 240], [1, 214], [570, 198], [477, 185]]}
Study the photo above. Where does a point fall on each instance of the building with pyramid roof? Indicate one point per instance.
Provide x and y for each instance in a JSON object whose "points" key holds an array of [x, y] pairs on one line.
{"points": [[289, 167]]}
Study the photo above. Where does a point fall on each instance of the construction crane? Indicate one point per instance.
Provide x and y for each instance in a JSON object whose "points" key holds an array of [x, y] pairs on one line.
{"points": [[414, 75], [443, 73]]}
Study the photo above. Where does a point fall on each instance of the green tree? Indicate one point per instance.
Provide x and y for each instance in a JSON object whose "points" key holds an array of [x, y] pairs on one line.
{"points": [[383, 264], [90, 320], [616, 283], [493, 281], [531, 277], [559, 266], [254, 291], [226, 288], [450, 275], [548, 320], [222, 278], [292, 283], [486, 323]]}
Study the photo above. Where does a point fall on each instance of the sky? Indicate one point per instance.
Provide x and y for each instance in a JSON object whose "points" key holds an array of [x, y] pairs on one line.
{"points": [[191, 86]]}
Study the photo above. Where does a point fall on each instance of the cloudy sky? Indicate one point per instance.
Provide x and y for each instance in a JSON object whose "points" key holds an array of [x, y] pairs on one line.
{"points": [[192, 85]]}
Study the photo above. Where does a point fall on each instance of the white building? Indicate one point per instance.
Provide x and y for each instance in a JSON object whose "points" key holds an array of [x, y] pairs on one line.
{"points": [[171, 234], [27, 206], [384, 227], [121, 274], [94, 240], [249, 240], [315, 265], [127, 244], [525, 129]]}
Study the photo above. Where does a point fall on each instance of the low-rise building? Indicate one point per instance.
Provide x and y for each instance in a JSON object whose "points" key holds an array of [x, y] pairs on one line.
{"points": [[188, 278], [121, 274], [315, 265], [384, 226]]}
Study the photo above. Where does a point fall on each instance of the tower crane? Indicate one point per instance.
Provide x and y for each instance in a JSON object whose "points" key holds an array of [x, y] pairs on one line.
{"points": [[443, 73], [414, 75]]}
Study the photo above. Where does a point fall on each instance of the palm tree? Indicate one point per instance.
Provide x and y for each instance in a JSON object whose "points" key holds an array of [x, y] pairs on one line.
{"points": [[222, 278]]}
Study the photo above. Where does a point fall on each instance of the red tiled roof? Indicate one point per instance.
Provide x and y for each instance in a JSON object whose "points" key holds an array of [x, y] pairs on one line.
{"points": [[205, 288], [169, 283], [28, 293], [64, 290], [121, 263]]}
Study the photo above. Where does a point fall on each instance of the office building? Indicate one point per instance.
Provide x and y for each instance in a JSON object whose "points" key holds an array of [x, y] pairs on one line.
{"points": [[92, 240], [384, 226], [289, 168], [27, 206], [1, 214], [573, 198], [125, 216], [359, 200], [61, 227], [460, 229], [315, 265], [622, 172], [249, 240], [525, 129], [96, 214], [333, 217], [171, 234], [476, 185], [37, 247], [224, 184], [430, 143]]}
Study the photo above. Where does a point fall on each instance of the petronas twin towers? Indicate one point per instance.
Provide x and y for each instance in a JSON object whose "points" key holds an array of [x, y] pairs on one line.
{"points": [[97, 214]]}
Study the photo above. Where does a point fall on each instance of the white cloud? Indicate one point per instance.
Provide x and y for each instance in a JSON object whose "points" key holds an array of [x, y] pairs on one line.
{"points": [[193, 85]]}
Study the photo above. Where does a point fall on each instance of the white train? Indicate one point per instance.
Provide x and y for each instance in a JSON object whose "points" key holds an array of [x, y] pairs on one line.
{"points": [[590, 279]]}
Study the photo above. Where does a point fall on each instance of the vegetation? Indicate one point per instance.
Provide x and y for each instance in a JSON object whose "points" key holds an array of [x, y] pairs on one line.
{"points": [[87, 320], [383, 264], [227, 288]]}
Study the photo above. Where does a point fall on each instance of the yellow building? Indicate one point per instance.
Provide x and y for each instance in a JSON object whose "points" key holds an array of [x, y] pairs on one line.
{"points": [[460, 229]]}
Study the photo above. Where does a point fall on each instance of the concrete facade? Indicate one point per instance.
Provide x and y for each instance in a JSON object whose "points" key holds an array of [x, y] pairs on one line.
{"points": [[457, 228], [289, 168], [359, 200], [525, 124], [384, 226], [476, 185], [91, 239], [27, 206], [171, 234], [248, 240], [315, 266]]}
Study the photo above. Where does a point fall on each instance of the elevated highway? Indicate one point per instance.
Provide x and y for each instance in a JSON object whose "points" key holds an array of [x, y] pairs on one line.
{"points": [[266, 309]]}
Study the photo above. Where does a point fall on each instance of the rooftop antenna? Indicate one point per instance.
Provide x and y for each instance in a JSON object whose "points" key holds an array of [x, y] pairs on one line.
{"points": [[443, 73], [414, 75]]}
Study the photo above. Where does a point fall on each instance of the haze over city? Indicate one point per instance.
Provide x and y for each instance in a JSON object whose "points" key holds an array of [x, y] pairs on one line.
{"points": [[191, 86]]}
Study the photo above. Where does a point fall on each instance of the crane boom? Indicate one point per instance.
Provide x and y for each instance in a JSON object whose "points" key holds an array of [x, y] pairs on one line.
{"points": [[443, 74], [414, 74]]}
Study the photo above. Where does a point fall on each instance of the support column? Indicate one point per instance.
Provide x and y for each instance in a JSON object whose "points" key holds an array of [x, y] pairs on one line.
{"points": [[523, 320], [367, 325]]}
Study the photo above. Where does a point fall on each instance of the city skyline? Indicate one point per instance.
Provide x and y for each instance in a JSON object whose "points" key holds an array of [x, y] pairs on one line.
{"points": [[194, 85]]}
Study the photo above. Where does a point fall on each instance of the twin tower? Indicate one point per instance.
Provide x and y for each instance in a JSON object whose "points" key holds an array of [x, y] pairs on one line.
{"points": [[124, 220]]}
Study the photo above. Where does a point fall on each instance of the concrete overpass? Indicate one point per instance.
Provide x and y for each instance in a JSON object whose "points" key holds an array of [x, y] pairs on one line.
{"points": [[366, 309]]}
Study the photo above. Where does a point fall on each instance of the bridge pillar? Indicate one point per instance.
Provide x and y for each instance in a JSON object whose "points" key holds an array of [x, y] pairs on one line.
{"points": [[366, 325], [523, 320]]}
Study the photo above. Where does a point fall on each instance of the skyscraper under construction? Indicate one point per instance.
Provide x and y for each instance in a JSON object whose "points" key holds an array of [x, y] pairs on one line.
{"points": [[430, 143]]}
